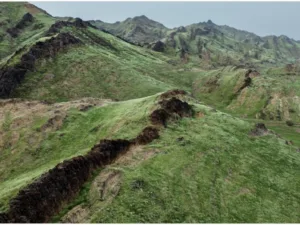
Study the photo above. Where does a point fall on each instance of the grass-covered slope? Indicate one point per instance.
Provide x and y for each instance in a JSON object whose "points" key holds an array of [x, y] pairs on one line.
{"points": [[187, 175], [266, 96], [190, 175], [103, 66], [20, 24], [36, 136]]}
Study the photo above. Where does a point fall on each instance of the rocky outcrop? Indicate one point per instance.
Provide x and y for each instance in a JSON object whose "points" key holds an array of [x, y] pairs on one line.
{"points": [[26, 20], [43, 198], [171, 108], [12, 76], [79, 23], [259, 130], [158, 46], [248, 79]]}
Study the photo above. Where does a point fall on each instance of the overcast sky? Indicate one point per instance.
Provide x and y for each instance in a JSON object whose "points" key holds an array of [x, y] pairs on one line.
{"points": [[262, 18]]}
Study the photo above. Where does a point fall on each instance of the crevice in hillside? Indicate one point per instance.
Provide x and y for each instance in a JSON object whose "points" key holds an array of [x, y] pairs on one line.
{"points": [[43, 198], [12, 75]]}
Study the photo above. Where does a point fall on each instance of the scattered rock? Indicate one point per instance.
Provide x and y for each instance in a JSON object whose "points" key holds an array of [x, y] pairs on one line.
{"points": [[259, 130]]}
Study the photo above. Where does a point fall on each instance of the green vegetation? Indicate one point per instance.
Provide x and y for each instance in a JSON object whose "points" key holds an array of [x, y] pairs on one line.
{"points": [[194, 177], [202, 169], [27, 159], [11, 14]]}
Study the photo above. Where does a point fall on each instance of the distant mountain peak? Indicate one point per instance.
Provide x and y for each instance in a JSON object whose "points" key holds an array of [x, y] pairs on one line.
{"points": [[210, 22]]}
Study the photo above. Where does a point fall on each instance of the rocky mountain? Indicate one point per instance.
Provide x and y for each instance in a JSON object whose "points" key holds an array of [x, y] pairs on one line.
{"points": [[139, 29], [207, 42]]}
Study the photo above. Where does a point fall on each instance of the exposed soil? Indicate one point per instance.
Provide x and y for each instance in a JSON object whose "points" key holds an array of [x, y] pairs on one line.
{"points": [[147, 135], [159, 117], [76, 215]]}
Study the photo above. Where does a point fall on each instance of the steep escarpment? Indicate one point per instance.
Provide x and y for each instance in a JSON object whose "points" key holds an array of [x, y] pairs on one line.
{"points": [[12, 75], [44, 197]]}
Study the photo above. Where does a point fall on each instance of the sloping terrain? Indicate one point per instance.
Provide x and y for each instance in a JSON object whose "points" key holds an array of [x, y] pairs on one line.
{"points": [[208, 43], [87, 123], [72, 55], [250, 94], [188, 170], [139, 29], [20, 24]]}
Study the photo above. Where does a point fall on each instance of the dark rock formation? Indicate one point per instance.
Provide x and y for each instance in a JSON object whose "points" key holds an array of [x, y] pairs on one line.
{"points": [[248, 80], [55, 28], [4, 218], [259, 130], [171, 108], [176, 106], [25, 21], [158, 46], [12, 76]]}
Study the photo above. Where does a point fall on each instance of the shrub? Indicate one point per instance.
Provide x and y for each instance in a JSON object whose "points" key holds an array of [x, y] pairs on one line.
{"points": [[289, 123]]}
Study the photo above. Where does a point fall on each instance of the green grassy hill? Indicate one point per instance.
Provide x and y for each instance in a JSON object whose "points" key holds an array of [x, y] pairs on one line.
{"points": [[16, 31], [187, 175], [270, 97], [65, 85]]}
